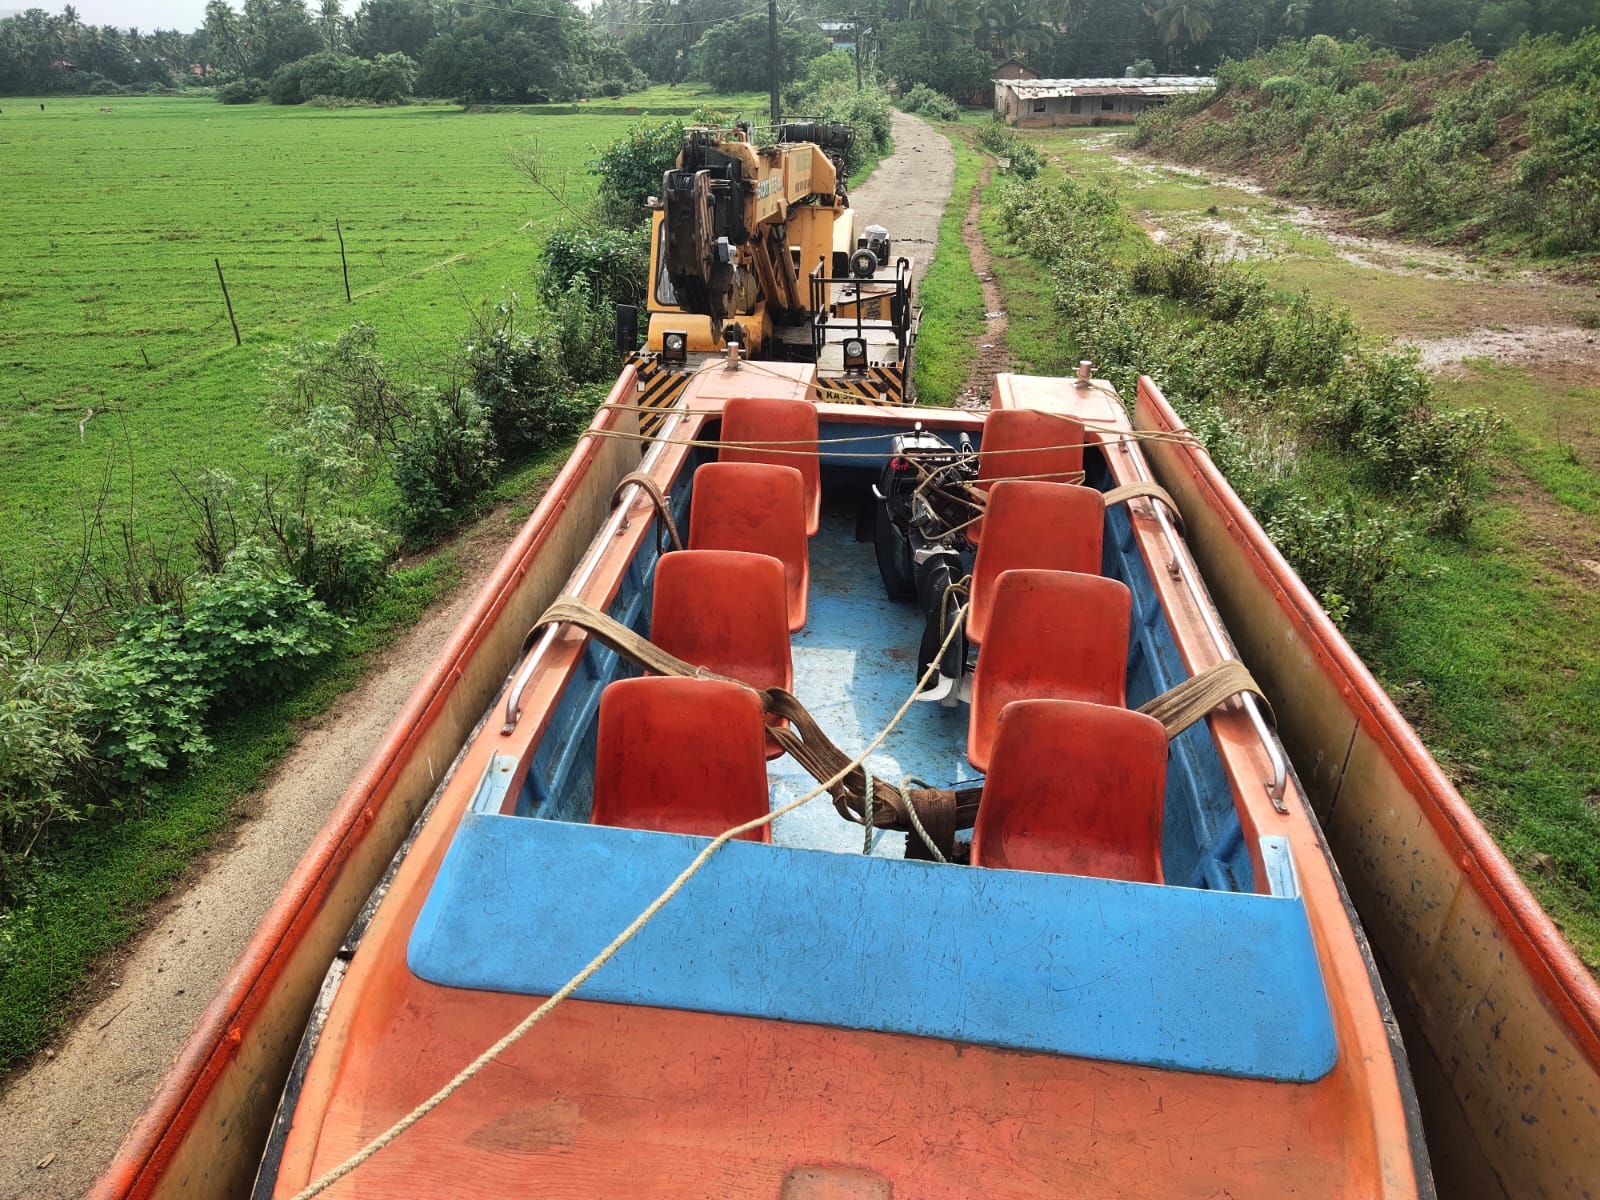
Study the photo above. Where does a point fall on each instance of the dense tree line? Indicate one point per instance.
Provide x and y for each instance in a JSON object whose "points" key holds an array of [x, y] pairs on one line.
{"points": [[522, 50]]}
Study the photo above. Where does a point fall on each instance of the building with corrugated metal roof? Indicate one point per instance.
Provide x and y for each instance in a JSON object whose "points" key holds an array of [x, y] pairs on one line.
{"points": [[1110, 101]]}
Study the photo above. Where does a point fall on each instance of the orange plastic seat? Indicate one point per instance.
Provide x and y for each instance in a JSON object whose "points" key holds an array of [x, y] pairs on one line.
{"points": [[759, 509], [779, 432], [1023, 443], [681, 756], [1033, 525], [727, 611], [1053, 635], [1075, 788]]}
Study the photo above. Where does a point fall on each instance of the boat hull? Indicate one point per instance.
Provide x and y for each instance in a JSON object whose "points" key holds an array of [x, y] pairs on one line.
{"points": [[1502, 1021]]}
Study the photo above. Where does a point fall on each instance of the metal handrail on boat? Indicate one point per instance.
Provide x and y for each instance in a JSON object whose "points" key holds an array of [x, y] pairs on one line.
{"points": [[1189, 573], [586, 568]]}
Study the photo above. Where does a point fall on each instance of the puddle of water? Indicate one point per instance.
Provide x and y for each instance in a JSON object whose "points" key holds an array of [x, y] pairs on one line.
{"points": [[1513, 346]]}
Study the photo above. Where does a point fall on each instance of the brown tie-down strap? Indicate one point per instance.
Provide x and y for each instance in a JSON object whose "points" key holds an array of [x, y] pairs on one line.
{"points": [[651, 489], [1154, 491], [978, 499], [939, 811], [804, 740], [1188, 702]]}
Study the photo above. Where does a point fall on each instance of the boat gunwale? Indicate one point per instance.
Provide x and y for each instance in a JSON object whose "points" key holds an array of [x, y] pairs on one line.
{"points": [[1562, 978]]}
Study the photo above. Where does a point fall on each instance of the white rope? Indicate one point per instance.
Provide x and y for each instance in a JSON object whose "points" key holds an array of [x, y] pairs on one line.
{"points": [[916, 821], [467, 1073]]}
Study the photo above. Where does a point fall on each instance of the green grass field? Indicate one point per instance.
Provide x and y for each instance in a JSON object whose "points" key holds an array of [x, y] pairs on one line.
{"points": [[109, 298]]}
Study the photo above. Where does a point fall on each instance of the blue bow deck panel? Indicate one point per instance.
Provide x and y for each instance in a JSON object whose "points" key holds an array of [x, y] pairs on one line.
{"points": [[1166, 977]]}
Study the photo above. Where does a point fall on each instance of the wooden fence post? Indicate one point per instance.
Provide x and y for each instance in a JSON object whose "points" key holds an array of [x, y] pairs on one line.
{"points": [[237, 341]]}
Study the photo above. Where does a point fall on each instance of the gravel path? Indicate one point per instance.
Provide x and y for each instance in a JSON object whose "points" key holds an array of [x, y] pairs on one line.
{"points": [[61, 1120], [907, 192]]}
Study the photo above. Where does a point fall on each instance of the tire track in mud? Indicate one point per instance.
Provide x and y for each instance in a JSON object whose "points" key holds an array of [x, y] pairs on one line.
{"points": [[994, 353]]}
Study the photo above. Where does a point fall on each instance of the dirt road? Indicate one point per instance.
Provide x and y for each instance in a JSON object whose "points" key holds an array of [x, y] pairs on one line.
{"points": [[907, 193], [61, 1120]]}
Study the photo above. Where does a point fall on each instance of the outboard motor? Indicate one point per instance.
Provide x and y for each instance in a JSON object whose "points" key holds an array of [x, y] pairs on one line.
{"points": [[919, 541], [877, 238]]}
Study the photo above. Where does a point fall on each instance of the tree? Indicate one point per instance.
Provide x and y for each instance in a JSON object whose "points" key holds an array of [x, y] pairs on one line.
{"points": [[227, 33], [1181, 24], [331, 19], [732, 55], [526, 50], [393, 27], [1013, 27], [387, 79]]}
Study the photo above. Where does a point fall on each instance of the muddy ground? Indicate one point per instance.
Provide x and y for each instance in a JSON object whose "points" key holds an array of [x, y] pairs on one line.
{"points": [[1456, 309], [62, 1119]]}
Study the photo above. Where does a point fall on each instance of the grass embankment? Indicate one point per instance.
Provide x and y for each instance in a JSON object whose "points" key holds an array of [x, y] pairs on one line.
{"points": [[950, 294], [1490, 641], [1446, 146], [661, 100]]}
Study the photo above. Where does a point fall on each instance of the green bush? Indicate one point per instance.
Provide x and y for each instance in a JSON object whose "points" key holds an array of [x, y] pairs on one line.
{"points": [[251, 632], [517, 376], [1343, 553], [611, 264], [243, 90], [246, 632], [1019, 158], [934, 105], [584, 332], [630, 170], [866, 111], [44, 752], [445, 463], [304, 516]]}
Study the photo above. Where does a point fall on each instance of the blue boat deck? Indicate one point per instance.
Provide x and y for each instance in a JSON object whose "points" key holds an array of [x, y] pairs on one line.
{"points": [[855, 663]]}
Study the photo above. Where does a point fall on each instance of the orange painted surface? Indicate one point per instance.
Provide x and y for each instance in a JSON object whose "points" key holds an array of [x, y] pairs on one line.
{"points": [[760, 509], [1056, 635], [681, 756], [1034, 525], [1043, 799]]}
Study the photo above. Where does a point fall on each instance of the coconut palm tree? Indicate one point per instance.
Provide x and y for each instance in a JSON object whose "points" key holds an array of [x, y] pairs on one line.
{"points": [[1181, 24], [1013, 27], [332, 18]]}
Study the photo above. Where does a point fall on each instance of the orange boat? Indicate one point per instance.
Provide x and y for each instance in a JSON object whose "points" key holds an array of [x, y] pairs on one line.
{"points": [[1139, 975]]}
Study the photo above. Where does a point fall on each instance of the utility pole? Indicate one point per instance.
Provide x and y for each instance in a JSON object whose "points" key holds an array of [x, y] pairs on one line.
{"points": [[858, 52], [773, 62]]}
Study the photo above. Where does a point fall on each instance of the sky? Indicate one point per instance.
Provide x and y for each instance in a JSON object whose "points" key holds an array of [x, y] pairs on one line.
{"points": [[184, 15]]}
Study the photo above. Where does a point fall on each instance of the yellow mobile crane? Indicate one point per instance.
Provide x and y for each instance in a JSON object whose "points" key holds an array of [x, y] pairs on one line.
{"points": [[757, 246]]}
